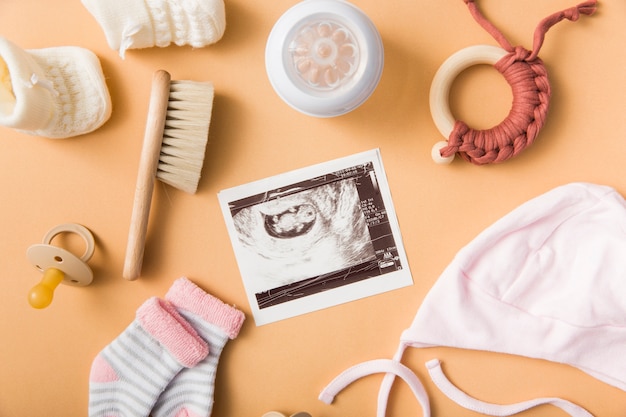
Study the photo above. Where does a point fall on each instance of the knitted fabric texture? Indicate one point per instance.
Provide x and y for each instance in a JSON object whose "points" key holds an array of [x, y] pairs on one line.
{"points": [[191, 391], [58, 92], [129, 374], [82, 103], [139, 24], [528, 78]]}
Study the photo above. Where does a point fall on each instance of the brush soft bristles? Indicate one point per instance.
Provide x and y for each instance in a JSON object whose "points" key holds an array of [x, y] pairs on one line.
{"points": [[186, 134]]}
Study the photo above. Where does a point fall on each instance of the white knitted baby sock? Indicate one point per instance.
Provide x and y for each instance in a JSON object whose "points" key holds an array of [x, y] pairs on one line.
{"points": [[134, 24], [53, 92], [190, 393], [128, 375]]}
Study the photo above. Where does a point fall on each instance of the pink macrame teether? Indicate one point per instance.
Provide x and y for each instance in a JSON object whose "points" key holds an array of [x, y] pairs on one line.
{"points": [[528, 78]]}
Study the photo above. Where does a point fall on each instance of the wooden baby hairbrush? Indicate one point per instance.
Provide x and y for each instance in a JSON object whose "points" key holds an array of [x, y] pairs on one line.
{"points": [[175, 138]]}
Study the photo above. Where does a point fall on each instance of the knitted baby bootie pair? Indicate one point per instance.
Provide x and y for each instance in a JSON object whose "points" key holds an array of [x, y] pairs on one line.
{"points": [[164, 364], [135, 24], [61, 92], [54, 92]]}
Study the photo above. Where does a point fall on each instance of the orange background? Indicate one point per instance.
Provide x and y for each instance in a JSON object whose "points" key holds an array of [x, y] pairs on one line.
{"points": [[45, 355]]}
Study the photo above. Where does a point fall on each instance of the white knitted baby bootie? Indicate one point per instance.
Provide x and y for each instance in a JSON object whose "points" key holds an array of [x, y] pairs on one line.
{"points": [[55, 92], [135, 24]]}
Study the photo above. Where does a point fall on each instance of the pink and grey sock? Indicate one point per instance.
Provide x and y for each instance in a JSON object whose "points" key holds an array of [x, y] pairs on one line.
{"points": [[130, 373], [191, 391]]}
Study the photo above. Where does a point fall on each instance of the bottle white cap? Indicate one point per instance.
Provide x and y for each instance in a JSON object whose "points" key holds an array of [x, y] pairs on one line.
{"points": [[324, 57]]}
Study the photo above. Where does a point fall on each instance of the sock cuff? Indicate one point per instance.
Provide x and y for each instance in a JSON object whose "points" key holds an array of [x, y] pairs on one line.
{"points": [[186, 295], [161, 320]]}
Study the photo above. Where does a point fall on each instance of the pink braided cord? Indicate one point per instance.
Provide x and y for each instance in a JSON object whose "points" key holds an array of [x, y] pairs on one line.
{"points": [[528, 78]]}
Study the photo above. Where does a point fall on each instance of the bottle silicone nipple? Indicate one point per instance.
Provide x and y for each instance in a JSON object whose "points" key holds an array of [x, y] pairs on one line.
{"points": [[324, 57], [325, 54]]}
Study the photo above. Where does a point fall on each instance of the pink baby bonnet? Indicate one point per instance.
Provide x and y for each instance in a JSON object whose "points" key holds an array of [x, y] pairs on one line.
{"points": [[546, 281]]}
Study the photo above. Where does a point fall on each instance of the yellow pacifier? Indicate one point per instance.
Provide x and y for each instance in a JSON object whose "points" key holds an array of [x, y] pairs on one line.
{"points": [[59, 265]]}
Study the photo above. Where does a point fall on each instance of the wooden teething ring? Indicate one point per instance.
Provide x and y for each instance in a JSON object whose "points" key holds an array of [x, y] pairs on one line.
{"points": [[528, 78], [531, 97]]}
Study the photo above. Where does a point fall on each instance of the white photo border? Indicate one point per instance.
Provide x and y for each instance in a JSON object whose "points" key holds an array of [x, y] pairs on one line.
{"points": [[389, 271]]}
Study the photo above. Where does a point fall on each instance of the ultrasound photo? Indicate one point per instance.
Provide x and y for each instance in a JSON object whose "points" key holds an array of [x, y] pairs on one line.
{"points": [[299, 243], [303, 235]]}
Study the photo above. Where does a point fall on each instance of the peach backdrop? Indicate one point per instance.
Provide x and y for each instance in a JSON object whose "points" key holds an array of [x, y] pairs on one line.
{"points": [[45, 355]]}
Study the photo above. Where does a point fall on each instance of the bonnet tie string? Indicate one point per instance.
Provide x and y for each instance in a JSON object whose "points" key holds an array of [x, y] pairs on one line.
{"points": [[386, 366], [496, 410], [528, 78]]}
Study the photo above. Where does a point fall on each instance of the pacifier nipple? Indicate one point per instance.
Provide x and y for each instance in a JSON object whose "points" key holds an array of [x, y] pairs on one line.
{"points": [[59, 265], [41, 295]]}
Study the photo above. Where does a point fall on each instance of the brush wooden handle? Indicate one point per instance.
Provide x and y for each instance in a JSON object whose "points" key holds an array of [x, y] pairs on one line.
{"points": [[151, 149]]}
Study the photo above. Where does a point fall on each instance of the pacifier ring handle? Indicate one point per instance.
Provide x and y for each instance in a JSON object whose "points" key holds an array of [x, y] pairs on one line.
{"points": [[78, 229], [59, 265]]}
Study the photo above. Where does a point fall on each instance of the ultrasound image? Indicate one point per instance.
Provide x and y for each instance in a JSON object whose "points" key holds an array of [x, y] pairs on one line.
{"points": [[302, 235]]}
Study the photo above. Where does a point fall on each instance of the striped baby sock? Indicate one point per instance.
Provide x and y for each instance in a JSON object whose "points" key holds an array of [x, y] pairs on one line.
{"points": [[190, 394], [128, 375]]}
